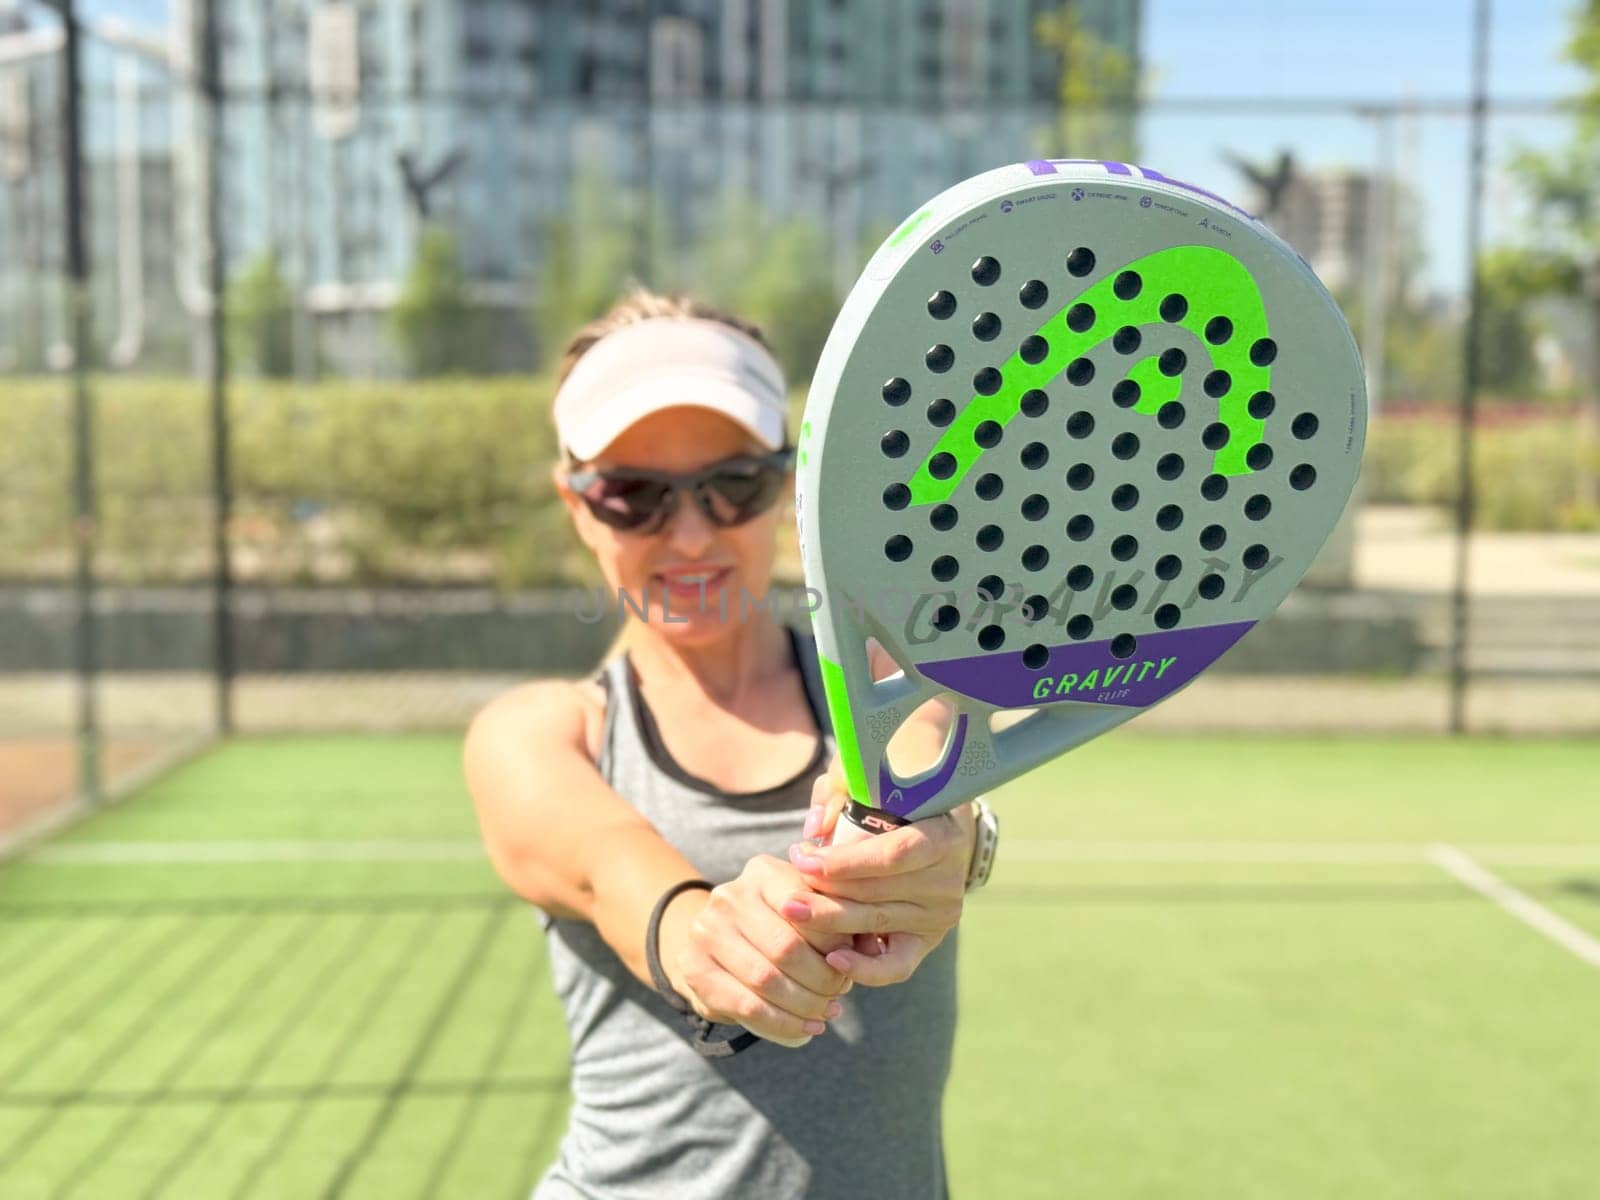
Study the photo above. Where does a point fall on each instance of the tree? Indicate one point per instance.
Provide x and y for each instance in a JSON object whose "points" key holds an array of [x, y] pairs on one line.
{"points": [[1096, 91], [585, 262], [1566, 204], [261, 319], [434, 321]]}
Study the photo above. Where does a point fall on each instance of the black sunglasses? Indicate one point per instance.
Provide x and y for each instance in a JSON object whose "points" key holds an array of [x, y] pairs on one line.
{"points": [[729, 492]]}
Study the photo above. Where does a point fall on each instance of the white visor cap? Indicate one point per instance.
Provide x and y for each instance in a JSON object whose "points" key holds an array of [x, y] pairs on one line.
{"points": [[669, 362]]}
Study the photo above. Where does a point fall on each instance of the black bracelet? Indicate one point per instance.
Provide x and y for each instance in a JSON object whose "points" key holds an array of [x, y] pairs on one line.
{"points": [[698, 1025]]}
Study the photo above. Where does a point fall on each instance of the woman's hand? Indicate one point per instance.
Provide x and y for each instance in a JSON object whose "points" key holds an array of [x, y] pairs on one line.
{"points": [[741, 963], [896, 893]]}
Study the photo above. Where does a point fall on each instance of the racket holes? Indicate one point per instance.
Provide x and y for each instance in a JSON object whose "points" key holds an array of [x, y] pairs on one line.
{"points": [[1035, 608], [941, 306], [1169, 466], [1172, 362], [1079, 627], [1035, 508], [985, 271], [1080, 528], [1035, 403], [1302, 477], [895, 443], [1080, 424], [1217, 384], [1305, 426], [1124, 597], [1126, 340], [1033, 294], [941, 412], [1123, 645], [1167, 616], [1212, 537], [1035, 656], [1257, 507], [1171, 415], [1125, 445], [942, 465], [945, 568], [1169, 517], [1255, 557], [1262, 404], [1080, 318], [986, 382], [1125, 394], [897, 548], [1127, 285], [1258, 457], [1081, 261], [1080, 476], [1034, 350], [989, 486], [1036, 558], [1214, 487], [1035, 455], [1124, 547], [943, 517], [896, 392], [1174, 308], [991, 637], [987, 434], [1263, 351], [990, 537], [1169, 567], [947, 618], [1210, 586], [986, 327], [940, 358], [896, 496], [1218, 330], [1215, 436], [1125, 497], [991, 587], [1080, 578]]}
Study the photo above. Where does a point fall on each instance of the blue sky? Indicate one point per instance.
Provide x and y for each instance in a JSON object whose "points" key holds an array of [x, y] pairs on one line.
{"points": [[1275, 50]]}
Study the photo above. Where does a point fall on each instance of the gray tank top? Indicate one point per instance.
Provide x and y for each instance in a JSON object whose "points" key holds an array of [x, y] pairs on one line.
{"points": [[856, 1112]]}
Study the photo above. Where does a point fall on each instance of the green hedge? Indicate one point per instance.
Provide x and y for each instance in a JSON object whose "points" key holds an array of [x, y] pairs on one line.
{"points": [[1527, 472], [449, 479]]}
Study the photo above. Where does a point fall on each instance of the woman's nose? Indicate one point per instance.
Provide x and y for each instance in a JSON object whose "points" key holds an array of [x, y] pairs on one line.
{"points": [[689, 530]]}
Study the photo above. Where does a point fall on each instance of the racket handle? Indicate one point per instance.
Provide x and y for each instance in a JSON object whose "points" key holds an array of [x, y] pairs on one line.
{"points": [[860, 821]]}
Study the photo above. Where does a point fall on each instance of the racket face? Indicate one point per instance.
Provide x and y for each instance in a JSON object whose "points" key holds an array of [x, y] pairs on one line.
{"points": [[1076, 430]]}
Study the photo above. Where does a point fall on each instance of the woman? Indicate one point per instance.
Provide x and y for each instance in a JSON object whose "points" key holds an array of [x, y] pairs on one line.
{"points": [[695, 757]]}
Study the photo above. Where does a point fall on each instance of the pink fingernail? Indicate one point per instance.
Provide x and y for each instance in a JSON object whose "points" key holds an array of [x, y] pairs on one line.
{"points": [[839, 960], [833, 1010], [815, 1027], [804, 861], [813, 819], [797, 910]]}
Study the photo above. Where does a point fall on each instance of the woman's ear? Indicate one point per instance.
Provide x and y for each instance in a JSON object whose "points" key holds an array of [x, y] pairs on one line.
{"points": [[574, 505]]}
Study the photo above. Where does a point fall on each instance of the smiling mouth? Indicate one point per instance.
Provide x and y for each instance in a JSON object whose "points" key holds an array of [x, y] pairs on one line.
{"points": [[691, 583]]}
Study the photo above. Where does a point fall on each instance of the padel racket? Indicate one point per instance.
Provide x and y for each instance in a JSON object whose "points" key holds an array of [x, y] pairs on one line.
{"points": [[1078, 428]]}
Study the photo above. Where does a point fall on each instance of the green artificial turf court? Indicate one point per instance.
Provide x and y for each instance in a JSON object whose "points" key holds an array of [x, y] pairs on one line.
{"points": [[1230, 967]]}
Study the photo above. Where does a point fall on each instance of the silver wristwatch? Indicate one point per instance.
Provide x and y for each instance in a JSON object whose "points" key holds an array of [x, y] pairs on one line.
{"points": [[988, 837]]}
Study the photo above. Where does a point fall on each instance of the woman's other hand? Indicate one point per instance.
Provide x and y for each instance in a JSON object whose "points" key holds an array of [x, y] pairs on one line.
{"points": [[738, 961]]}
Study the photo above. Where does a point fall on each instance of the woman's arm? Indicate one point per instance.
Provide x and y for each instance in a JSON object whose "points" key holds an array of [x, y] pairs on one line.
{"points": [[564, 840]]}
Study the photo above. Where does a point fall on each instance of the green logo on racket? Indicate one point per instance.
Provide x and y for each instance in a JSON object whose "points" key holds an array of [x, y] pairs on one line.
{"points": [[1205, 290]]}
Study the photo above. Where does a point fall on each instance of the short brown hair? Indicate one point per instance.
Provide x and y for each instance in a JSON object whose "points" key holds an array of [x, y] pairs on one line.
{"points": [[641, 304]]}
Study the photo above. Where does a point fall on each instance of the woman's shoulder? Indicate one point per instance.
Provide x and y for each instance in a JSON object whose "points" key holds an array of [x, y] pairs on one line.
{"points": [[547, 711]]}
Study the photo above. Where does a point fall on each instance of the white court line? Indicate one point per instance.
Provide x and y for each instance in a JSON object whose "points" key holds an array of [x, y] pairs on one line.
{"points": [[1518, 904], [1017, 850], [1285, 853], [94, 854]]}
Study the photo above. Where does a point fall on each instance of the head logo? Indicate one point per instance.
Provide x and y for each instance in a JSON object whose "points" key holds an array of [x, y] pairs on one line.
{"points": [[936, 246], [1006, 206], [1144, 201], [1077, 193]]}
